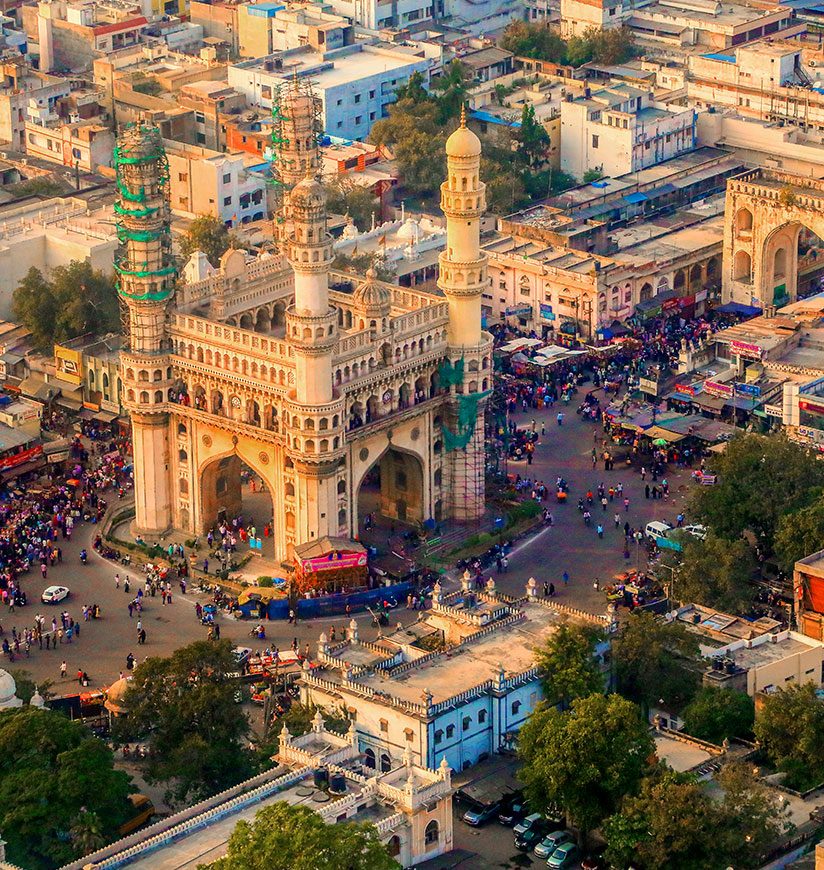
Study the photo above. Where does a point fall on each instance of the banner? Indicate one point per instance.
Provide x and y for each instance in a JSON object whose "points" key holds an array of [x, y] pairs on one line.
{"points": [[15, 459], [748, 351], [334, 560], [547, 312], [518, 311], [689, 389], [648, 385], [69, 364], [812, 406], [715, 388], [748, 389]]}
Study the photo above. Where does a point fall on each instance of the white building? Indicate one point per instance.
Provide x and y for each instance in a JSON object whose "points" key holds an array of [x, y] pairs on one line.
{"points": [[210, 182], [376, 15], [458, 684], [355, 84], [622, 129]]}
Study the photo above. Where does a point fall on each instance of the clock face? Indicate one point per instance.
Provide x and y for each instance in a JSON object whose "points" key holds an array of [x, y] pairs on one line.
{"points": [[235, 401]]}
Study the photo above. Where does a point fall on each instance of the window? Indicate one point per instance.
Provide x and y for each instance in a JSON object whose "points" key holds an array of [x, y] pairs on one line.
{"points": [[482, 717], [357, 98], [200, 138], [227, 178], [386, 763], [467, 723], [182, 176], [372, 116], [227, 200], [516, 706], [450, 731], [338, 102], [358, 120], [594, 141], [409, 734], [200, 118], [76, 153], [371, 95], [438, 736], [369, 758], [431, 833], [384, 726], [266, 92]]}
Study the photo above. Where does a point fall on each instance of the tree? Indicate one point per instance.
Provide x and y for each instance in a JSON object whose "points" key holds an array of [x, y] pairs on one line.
{"points": [[655, 660], [73, 300], [184, 706], [716, 715], [569, 667], [54, 774], [284, 837], [209, 235], [298, 720], [760, 479], [592, 174], [578, 51], [800, 533], [451, 89], [789, 727], [611, 45], [533, 137], [87, 833], [413, 90], [584, 760], [536, 40], [713, 572], [26, 685], [669, 824], [344, 196]]}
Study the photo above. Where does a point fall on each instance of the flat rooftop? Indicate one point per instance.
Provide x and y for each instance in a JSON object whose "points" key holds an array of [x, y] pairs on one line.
{"points": [[512, 646], [678, 754], [672, 245], [768, 652]]}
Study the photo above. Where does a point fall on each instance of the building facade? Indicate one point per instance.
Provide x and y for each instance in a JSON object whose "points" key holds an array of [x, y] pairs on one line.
{"points": [[384, 376]]}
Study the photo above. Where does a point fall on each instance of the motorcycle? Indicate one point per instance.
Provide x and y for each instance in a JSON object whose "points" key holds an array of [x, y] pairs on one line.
{"points": [[259, 632], [84, 557]]}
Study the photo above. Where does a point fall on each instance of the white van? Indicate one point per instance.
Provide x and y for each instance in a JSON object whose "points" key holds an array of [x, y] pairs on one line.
{"points": [[657, 529]]}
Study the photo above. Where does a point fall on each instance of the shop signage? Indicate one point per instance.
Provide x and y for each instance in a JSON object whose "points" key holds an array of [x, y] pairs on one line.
{"points": [[334, 560], [648, 385], [715, 388], [546, 312], [689, 389], [671, 304], [15, 459], [811, 434], [812, 406], [774, 411], [748, 389], [519, 311], [686, 301], [701, 296], [748, 351]]}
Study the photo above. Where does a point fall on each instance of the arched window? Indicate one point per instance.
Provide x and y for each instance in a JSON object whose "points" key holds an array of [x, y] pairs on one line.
{"points": [[386, 763], [394, 846], [742, 267], [182, 456], [183, 485], [743, 221], [289, 489], [431, 834], [369, 758]]}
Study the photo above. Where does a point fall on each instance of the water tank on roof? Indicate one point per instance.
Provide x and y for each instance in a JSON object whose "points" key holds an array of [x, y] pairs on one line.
{"points": [[337, 783], [321, 777]]}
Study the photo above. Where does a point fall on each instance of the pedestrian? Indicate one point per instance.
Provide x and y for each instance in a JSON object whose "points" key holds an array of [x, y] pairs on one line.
{"points": [[131, 609], [292, 619], [117, 581], [626, 505], [126, 586], [546, 589], [63, 668], [617, 519], [643, 473], [600, 530], [505, 563], [566, 578], [646, 491], [142, 636], [551, 589]]}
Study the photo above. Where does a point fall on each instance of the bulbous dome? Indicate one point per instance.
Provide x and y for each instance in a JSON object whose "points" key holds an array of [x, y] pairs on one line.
{"points": [[372, 295], [8, 691], [409, 230], [308, 193], [463, 142]]}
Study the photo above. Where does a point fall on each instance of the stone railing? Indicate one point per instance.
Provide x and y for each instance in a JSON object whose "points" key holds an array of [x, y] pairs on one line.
{"points": [[566, 610], [462, 697], [231, 337], [295, 755], [231, 801], [519, 679], [403, 667], [390, 823], [329, 812]]}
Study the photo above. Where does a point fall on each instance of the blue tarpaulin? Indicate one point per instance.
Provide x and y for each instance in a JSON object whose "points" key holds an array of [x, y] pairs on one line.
{"points": [[738, 308], [636, 197]]}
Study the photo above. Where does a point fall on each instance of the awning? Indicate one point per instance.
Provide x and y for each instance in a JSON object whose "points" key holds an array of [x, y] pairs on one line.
{"points": [[663, 190], [19, 470], [718, 448], [100, 416], [738, 308], [634, 198], [69, 402], [656, 432]]}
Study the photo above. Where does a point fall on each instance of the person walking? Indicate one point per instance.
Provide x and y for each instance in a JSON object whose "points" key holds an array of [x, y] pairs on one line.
{"points": [[117, 581], [566, 578], [617, 519], [63, 668]]}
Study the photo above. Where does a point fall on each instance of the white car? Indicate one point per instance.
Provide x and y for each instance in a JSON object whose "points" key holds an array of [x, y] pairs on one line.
{"points": [[53, 594], [657, 529], [696, 531]]}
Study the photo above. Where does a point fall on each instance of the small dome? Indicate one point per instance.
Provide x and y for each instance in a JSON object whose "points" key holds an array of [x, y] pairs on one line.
{"points": [[409, 230], [350, 231], [308, 193], [372, 295], [114, 696], [37, 700], [8, 691], [463, 142]]}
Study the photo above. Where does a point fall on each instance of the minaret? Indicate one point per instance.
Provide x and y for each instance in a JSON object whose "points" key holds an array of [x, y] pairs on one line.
{"points": [[463, 279], [462, 266], [146, 281]]}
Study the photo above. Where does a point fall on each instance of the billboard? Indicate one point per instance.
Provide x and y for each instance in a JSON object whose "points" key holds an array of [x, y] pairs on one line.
{"points": [[69, 364]]}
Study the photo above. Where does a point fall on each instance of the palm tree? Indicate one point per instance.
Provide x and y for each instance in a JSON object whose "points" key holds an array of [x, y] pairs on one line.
{"points": [[452, 87], [87, 833]]}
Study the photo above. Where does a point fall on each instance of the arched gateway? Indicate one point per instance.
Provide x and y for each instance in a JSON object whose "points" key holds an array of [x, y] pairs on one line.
{"points": [[363, 379], [768, 217]]}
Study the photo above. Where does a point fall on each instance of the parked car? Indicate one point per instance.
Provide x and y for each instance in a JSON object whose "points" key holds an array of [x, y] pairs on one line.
{"points": [[527, 822], [530, 838], [53, 594], [551, 842], [512, 810], [657, 530], [697, 531], [481, 815], [564, 856], [594, 862]]}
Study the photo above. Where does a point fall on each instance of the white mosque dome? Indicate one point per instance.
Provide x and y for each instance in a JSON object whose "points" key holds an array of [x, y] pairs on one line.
{"points": [[8, 691], [409, 231]]}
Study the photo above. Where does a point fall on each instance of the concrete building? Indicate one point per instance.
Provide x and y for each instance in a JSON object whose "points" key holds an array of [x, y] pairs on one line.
{"points": [[202, 181], [808, 588], [20, 86], [410, 806], [374, 15], [578, 16], [219, 21], [84, 147], [47, 234], [458, 684], [94, 364], [355, 85], [306, 24], [622, 129], [355, 383], [211, 102]]}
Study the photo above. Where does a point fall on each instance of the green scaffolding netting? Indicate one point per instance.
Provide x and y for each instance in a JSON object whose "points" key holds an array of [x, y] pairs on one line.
{"points": [[467, 419], [134, 212], [451, 375]]}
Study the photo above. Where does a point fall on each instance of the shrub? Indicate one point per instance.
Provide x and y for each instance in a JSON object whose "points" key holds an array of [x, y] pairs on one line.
{"points": [[265, 582]]}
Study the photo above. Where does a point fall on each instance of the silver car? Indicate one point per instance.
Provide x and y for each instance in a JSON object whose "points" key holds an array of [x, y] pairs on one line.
{"points": [[551, 842]]}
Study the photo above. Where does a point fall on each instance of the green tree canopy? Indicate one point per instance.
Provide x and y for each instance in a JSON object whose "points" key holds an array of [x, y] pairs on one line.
{"points": [[714, 572], [536, 40], [716, 715], [184, 706], [760, 479], [655, 660], [532, 137], [71, 301], [58, 785], [790, 727], [584, 760], [344, 196], [209, 235], [800, 533], [284, 837], [450, 90], [569, 667]]}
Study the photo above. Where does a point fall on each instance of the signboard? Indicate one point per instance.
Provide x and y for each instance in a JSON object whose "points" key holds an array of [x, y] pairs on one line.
{"points": [[689, 389], [811, 434], [15, 459], [748, 351], [671, 304], [334, 560], [546, 312], [748, 389], [812, 406], [774, 411], [519, 311], [648, 385], [69, 364], [715, 388], [701, 296]]}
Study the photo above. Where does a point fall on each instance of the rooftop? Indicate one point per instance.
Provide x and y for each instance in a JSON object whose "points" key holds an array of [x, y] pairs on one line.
{"points": [[680, 755]]}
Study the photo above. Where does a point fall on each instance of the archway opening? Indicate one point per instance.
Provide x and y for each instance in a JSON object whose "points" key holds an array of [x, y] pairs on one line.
{"points": [[235, 499], [742, 267], [810, 263], [390, 496]]}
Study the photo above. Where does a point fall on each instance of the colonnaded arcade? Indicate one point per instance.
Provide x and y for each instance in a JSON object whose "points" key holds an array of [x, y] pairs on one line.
{"points": [[261, 363]]}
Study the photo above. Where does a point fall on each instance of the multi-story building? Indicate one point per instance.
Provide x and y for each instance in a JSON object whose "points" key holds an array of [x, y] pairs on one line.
{"points": [[306, 24], [355, 84], [578, 16], [377, 15], [219, 21], [202, 181], [621, 129], [410, 806], [211, 102], [82, 146], [458, 684], [21, 84]]}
